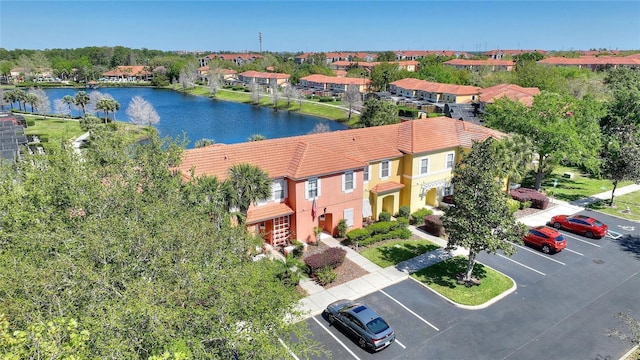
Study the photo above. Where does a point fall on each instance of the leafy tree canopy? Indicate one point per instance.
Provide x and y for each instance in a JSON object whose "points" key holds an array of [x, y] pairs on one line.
{"points": [[376, 113]]}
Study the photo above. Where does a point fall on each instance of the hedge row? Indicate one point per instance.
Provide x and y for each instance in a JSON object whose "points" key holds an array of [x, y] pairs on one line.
{"points": [[417, 218], [332, 257], [538, 200], [379, 231]]}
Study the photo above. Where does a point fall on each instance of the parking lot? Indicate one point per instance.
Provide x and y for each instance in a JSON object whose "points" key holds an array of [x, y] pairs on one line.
{"points": [[563, 308]]}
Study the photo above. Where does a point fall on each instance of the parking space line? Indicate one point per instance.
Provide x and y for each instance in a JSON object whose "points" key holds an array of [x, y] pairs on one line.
{"points": [[575, 252], [523, 265], [399, 343], [541, 255], [289, 350], [613, 234], [336, 339], [584, 241], [410, 311]]}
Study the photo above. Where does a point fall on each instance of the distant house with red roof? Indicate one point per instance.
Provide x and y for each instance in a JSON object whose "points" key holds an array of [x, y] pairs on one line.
{"points": [[263, 78], [238, 58], [419, 54], [501, 54], [408, 65], [338, 56], [475, 65], [333, 84], [129, 73], [509, 91], [349, 174], [434, 92], [595, 63]]}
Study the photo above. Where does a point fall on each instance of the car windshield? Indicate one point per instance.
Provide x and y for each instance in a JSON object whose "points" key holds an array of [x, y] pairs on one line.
{"points": [[377, 325], [559, 238]]}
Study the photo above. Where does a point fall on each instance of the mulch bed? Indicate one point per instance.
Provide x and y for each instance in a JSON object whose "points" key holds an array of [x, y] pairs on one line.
{"points": [[346, 272], [531, 211]]}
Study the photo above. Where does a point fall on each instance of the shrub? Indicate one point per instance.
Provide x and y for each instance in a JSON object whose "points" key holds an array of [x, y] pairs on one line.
{"points": [[31, 122], [326, 275], [384, 216], [298, 248], [433, 225], [514, 205], [332, 257], [525, 205], [417, 218], [404, 212], [326, 99], [538, 200], [403, 222], [342, 228], [382, 227], [447, 199], [357, 235]]}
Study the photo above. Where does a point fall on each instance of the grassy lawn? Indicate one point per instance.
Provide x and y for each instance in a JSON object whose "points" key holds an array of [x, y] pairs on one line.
{"points": [[394, 252], [620, 203], [581, 186], [441, 277], [57, 129]]}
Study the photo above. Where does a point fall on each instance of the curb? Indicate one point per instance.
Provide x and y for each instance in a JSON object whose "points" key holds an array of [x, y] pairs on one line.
{"points": [[485, 305]]}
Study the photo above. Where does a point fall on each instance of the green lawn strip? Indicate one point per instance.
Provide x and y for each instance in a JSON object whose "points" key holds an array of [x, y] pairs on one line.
{"points": [[441, 277], [581, 186], [620, 203], [56, 129], [392, 253]]}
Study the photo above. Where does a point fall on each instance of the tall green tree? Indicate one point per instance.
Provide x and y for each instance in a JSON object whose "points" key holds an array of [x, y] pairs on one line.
{"points": [[481, 219], [377, 113], [116, 241], [250, 184], [621, 156], [560, 127]]}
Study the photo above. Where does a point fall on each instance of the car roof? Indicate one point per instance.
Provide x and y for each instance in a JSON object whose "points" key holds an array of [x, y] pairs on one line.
{"points": [[363, 312], [547, 230], [584, 217]]}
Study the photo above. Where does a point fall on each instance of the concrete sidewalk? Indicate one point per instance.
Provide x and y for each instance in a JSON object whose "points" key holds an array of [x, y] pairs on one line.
{"points": [[378, 278]]}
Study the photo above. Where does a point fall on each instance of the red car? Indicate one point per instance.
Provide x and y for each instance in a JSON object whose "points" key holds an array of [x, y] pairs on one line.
{"points": [[547, 239], [580, 224]]}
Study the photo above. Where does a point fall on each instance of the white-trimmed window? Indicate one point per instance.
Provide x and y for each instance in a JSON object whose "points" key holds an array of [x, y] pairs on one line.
{"points": [[279, 189], [385, 169], [450, 160], [348, 216], [312, 188], [348, 181], [424, 166], [447, 190], [366, 174]]}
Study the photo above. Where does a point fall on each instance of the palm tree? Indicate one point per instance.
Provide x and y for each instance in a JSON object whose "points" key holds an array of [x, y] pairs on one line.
{"points": [[10, 97], [21, 98], [107, 106], [32, 100], [514, 155], [248, 184], [82, 99], [68, 100]]}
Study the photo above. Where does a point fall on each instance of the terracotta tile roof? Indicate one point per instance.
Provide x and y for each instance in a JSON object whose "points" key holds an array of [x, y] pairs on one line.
{"points": [[513, 52], [386, 187], [375, 63], [264, 75], [417, 84], [324, 79], [423, 53], [305, 156], [127, 71], [511, 91], [265, 212], [488, 62]]}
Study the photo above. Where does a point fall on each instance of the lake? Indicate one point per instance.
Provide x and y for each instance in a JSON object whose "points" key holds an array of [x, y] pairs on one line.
{"points": [[200, 117]]}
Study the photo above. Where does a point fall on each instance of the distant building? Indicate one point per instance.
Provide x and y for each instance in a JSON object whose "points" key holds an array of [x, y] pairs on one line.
{"points": [[476, 65], [501, 54], [237, 59], [595, 63]]}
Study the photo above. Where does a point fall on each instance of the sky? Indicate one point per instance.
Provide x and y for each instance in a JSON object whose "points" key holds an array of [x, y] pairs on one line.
{"points": [[314, 26]]}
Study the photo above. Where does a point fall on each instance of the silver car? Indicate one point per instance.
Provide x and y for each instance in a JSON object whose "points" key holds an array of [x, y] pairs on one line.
{"points": [[362, 322]]}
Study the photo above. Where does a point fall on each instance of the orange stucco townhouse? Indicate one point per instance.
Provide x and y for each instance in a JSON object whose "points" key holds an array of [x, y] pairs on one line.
{"points": [[320, 179]]}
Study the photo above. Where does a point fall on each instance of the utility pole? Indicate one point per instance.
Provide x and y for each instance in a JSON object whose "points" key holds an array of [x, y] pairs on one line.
{"points": [[260, 38]]}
